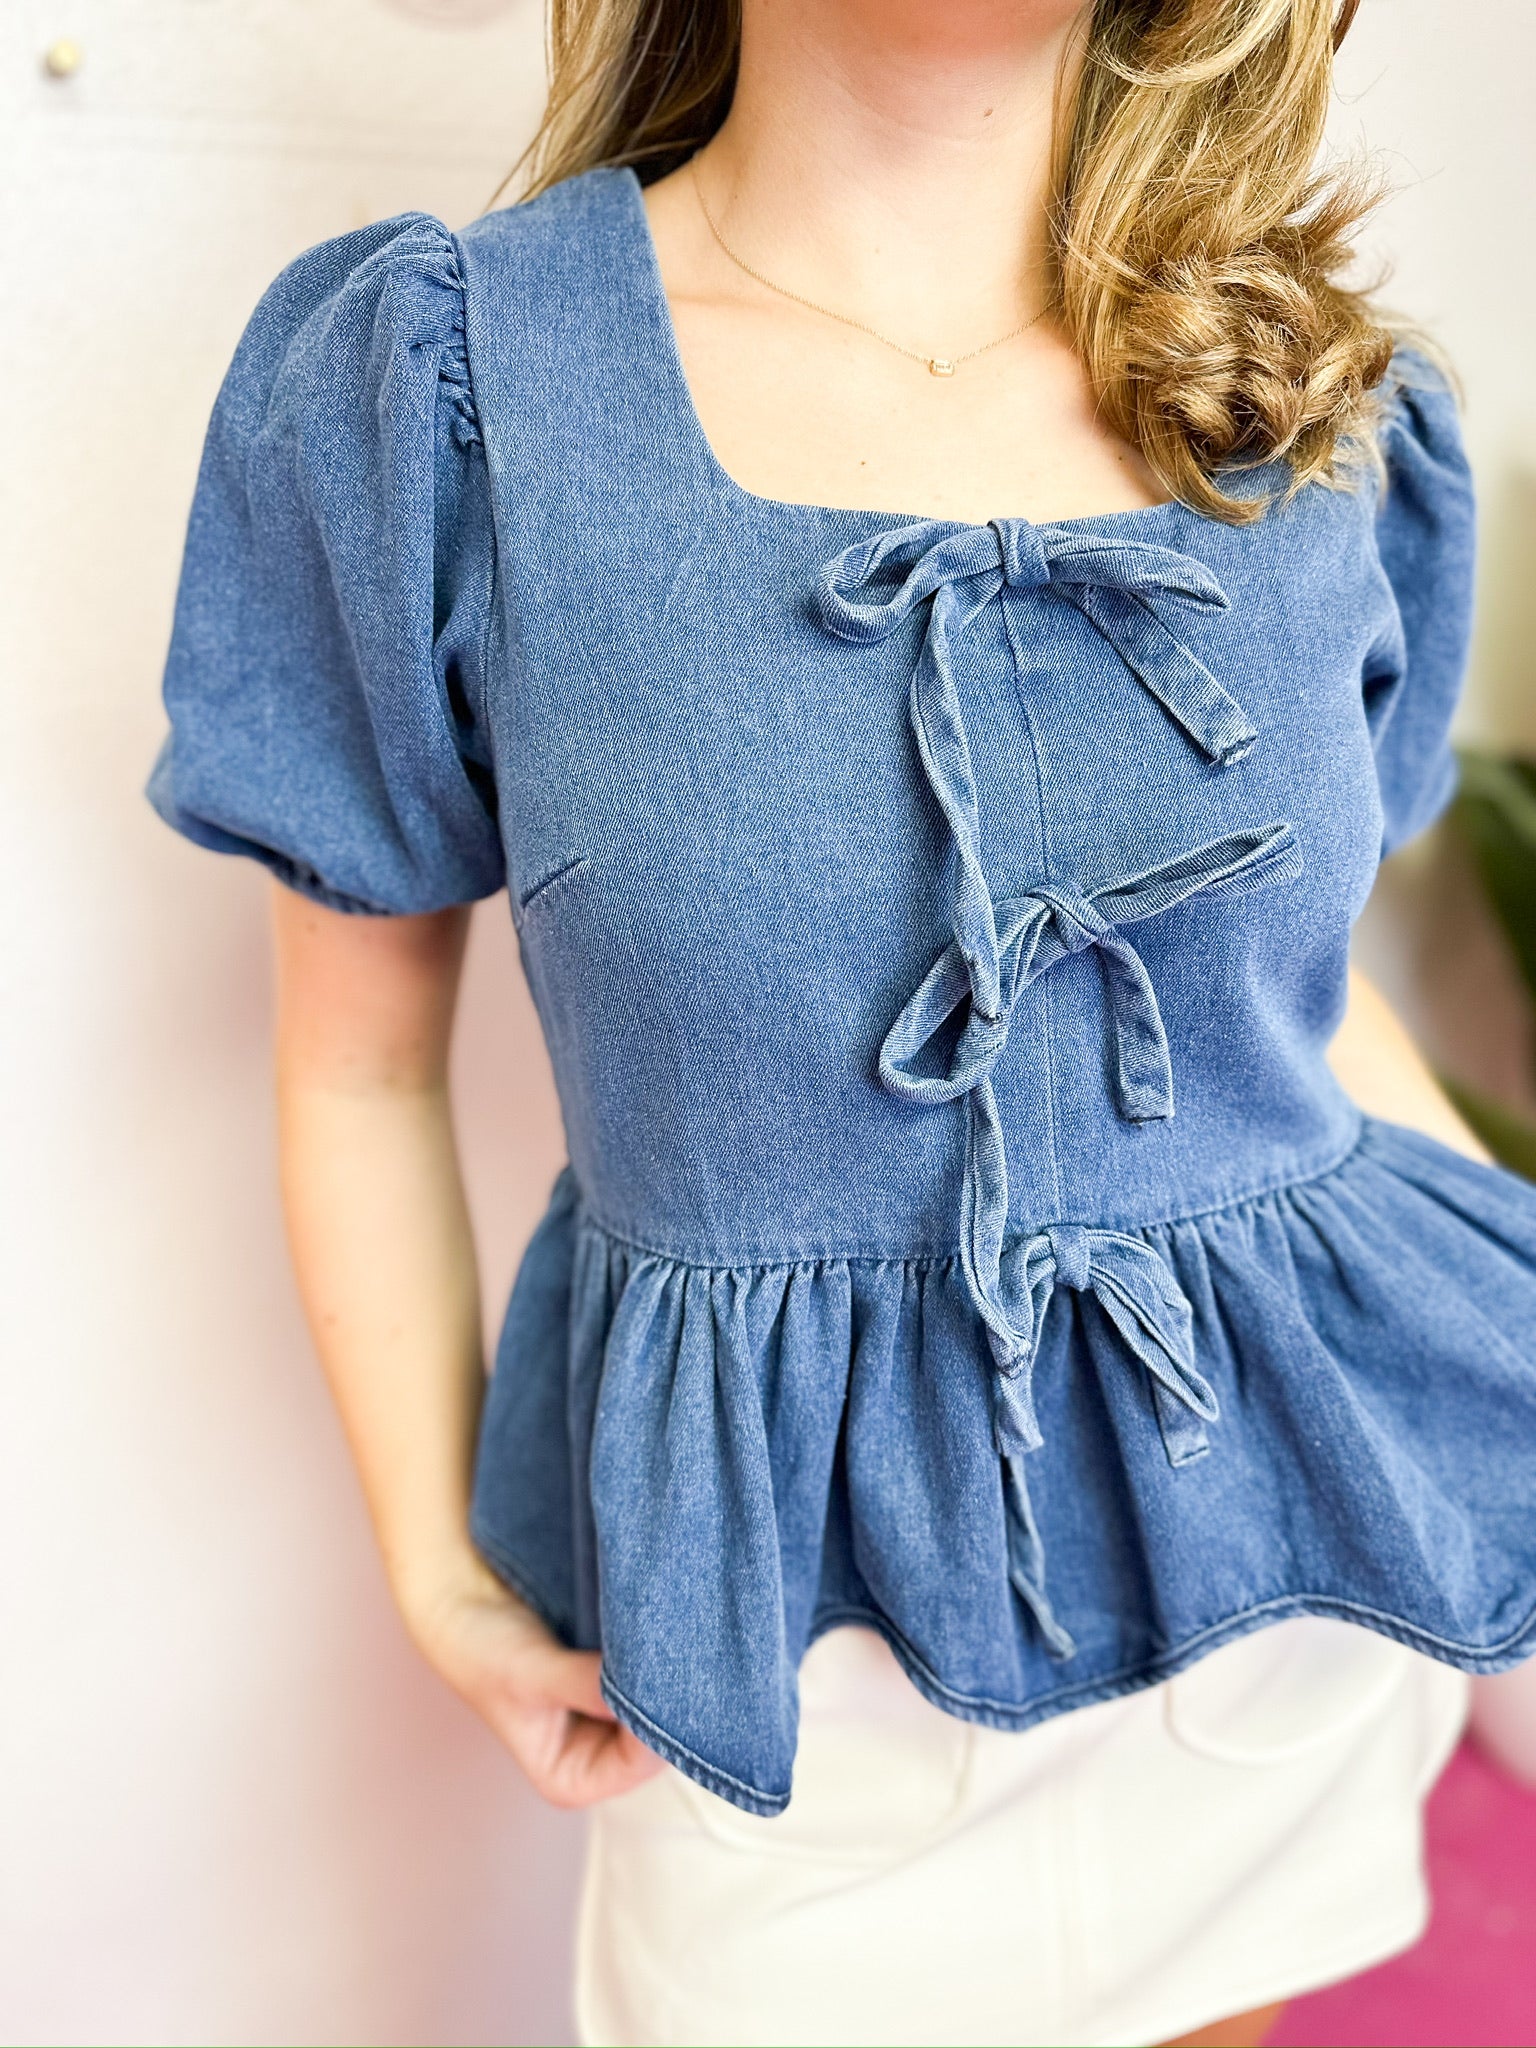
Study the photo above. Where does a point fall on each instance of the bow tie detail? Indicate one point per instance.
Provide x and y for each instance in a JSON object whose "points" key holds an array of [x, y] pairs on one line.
{"points": [[1034, 932], [1152, 1316], [951, 1033], [1146, 1305], [1120, 586]]}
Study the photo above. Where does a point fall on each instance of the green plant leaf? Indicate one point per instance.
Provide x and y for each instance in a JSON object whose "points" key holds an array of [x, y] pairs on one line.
{"points": [[1507, 1134], [1495, 810]]}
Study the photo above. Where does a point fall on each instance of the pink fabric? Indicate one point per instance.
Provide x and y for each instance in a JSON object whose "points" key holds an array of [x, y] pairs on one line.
{"points": [[1471, 1982]]}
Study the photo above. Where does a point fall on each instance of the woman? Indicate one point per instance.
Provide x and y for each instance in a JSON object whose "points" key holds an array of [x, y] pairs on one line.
{"points": [[939, 923]]}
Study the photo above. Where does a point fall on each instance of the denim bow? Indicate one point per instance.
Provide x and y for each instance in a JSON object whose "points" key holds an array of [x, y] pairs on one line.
{"points": [[1148, 1308], [1144, 1302], [950, 1034], [1118, 585], [1033, 932], [1011, 1287]]}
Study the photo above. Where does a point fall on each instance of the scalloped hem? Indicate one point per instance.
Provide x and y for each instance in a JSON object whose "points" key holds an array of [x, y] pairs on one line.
{"points": [[998, 1714], [1477, 1662], [765, 1805], [1119, 1685]]}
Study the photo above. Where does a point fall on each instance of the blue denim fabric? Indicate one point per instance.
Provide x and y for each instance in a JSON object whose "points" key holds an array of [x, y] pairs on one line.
{"points": [[937, 930]]}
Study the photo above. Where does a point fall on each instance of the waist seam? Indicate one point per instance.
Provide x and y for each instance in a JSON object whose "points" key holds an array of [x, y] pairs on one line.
{"points": [[928, 1255]]}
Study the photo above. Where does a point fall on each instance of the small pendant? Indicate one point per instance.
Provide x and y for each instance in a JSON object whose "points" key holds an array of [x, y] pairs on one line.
{"points": [[940, 366]]}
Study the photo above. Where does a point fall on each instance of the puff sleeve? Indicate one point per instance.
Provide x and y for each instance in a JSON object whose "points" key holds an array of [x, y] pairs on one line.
{"points": [[326, 674], [1425, 540]]}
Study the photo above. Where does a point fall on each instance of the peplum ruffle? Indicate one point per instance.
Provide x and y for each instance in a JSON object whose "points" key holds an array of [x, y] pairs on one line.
{"points": [[779, 1449]]}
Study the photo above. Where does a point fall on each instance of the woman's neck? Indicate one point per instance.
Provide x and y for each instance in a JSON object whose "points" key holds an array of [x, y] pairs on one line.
{"points": [[889, 162], [894, 157]]}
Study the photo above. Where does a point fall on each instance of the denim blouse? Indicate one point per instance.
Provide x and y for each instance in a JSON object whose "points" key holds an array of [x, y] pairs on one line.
{"points": [[937, 931]]}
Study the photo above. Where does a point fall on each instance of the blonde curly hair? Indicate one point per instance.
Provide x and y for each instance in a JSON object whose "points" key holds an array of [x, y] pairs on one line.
{"points": [[1199, 250]]}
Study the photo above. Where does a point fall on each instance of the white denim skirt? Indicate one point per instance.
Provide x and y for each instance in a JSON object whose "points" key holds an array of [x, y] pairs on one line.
{"points": [[1131, 1871]]}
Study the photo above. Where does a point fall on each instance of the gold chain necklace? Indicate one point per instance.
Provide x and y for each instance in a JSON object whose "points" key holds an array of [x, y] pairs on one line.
{"points": [[937, 366]]}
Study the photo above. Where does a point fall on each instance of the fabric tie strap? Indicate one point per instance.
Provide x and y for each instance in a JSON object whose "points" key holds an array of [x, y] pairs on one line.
{"points": [[1143, 1301], [1152, 1316], [952, 1031], [1122, 587], [1012, 1286]]}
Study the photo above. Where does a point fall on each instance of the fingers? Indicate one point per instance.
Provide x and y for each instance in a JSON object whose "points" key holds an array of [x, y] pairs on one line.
{"points": [[570, 1678], [597, 1761], [543, 1700], [569, 1757]]}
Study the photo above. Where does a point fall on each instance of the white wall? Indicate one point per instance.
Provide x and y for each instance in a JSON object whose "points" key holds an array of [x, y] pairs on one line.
{"points": [[1439, 97], [235, 1808], [235, 1805]]}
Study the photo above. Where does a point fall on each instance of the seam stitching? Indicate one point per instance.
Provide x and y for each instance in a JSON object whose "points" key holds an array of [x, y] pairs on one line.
{"points": [[885, 1255]]}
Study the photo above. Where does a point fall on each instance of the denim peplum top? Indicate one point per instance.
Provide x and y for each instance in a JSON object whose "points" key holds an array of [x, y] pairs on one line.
{"points": [[937, 931]]}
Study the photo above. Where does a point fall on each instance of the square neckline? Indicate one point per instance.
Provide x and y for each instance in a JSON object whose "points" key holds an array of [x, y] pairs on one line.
{"points": [[689, 425]]}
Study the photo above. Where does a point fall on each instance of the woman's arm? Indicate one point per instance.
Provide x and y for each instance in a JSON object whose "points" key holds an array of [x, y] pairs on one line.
{"points": [[385, 1260], [1381, 1068]]}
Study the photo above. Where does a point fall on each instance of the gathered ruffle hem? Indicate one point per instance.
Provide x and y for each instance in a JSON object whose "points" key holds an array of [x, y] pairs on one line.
{"points": [[782, 1448]]}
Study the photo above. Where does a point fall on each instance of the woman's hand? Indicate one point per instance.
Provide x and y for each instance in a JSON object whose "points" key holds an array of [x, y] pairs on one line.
{"points": [[540, 1698]]}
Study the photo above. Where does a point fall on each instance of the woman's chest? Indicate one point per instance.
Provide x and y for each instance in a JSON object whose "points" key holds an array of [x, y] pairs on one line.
{"points": [[809, 413], [671, 708]]}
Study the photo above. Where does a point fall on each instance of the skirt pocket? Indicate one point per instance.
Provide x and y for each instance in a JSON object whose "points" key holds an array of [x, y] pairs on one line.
{"points": [[1285, 1690], [878, 1771]]}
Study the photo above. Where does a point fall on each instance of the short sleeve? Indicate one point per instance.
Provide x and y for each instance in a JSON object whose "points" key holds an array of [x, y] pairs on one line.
{"points": [[1425, 539], [325, 683]]}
